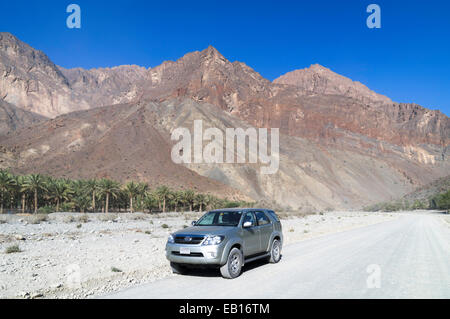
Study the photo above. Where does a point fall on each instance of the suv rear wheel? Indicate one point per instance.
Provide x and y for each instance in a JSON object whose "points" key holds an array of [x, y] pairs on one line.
{"points": [[233, 267], [275, 252]]}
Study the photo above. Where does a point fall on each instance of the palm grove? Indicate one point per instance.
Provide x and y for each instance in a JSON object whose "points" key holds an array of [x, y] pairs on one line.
{"points": [[45, 194]]}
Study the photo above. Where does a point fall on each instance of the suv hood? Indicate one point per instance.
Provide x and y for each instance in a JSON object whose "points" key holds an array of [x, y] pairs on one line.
{"points": [[205, 230]]}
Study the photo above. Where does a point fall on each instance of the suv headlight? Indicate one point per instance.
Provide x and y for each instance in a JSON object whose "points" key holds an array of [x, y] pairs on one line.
{"points": [[213, 240], [171, 240]]}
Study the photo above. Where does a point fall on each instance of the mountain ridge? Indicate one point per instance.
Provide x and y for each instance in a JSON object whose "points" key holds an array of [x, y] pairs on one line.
{"points": [[204, 76]]}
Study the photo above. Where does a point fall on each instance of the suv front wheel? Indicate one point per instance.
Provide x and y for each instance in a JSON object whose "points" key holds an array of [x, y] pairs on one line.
{"points": [[233, 267]]}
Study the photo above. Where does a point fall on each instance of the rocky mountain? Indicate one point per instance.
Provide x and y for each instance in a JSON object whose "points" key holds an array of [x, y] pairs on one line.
{"points": [[29, 80], [341, 144], [342, 104]]}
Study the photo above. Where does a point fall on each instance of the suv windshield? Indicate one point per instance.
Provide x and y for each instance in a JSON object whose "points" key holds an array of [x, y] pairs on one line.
{"points": [[220, 219]]}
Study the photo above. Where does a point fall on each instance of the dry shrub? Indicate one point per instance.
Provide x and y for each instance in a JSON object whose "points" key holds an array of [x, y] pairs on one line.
{"points": [[83, 218], [107, 217], [37, 219]]}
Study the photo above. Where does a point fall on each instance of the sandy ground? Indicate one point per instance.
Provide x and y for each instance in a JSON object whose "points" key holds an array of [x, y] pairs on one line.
{"points": [[82, 256]]}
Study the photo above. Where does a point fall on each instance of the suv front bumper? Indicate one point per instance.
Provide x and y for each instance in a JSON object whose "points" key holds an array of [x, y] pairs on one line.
{"points": [[199, 255]]}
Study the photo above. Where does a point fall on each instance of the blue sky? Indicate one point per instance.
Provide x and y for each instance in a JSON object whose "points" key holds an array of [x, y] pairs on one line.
{"points": [[408, 59]]}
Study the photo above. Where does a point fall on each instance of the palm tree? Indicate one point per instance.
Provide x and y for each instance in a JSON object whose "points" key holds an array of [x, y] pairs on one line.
{"points": [[210, 201], [144, 190], [163, 193], [177, 198], [132, 190], [199, 200], [92, 187], [15, 190], [20, 189], [59, 190], [189, 196], [6, 183], [82, 202], [34, 183], [150, 201], [108, 188]]}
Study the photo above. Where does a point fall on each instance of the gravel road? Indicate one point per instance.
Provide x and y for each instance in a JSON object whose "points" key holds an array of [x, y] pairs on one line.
{"points": [[408, 257]]}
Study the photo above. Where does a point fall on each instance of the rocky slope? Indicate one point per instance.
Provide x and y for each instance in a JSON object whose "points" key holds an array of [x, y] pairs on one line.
{"points": [[424, 193], [13, 118], [122, 142]]}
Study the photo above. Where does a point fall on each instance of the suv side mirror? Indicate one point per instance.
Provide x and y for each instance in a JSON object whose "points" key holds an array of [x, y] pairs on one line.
{"points": [[194, 223], [247, 225]]}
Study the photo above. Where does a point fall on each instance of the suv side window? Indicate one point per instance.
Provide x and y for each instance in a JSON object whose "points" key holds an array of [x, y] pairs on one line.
{"points": [[249, 217], [262, 218]]}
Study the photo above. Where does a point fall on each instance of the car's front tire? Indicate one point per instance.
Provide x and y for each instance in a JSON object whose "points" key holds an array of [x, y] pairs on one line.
{"points": [[233, 267], [275, 252], [178, 269]]}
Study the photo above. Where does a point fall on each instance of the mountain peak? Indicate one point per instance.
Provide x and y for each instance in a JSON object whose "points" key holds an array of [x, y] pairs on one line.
{"points": [[210, 50], [318, 79], [211, 53], [317, 66]]}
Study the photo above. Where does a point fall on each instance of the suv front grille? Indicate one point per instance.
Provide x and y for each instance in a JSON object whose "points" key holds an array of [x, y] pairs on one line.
{"points": [[189, 240]]}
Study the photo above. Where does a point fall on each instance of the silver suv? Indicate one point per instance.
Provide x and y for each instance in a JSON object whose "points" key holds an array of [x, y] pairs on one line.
{"points": [[226, 239]]}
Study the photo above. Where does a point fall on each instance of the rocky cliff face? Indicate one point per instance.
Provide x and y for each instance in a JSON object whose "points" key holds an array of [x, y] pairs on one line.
{"points": [[29, 80]]}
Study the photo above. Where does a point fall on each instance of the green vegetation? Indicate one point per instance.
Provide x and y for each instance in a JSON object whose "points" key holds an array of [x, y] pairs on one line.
{"points": [[114, 269], [42, 195], [439, 201]]}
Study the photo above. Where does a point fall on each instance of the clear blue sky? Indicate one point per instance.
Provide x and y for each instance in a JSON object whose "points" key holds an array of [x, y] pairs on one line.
{"points": [[408, 59]]}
